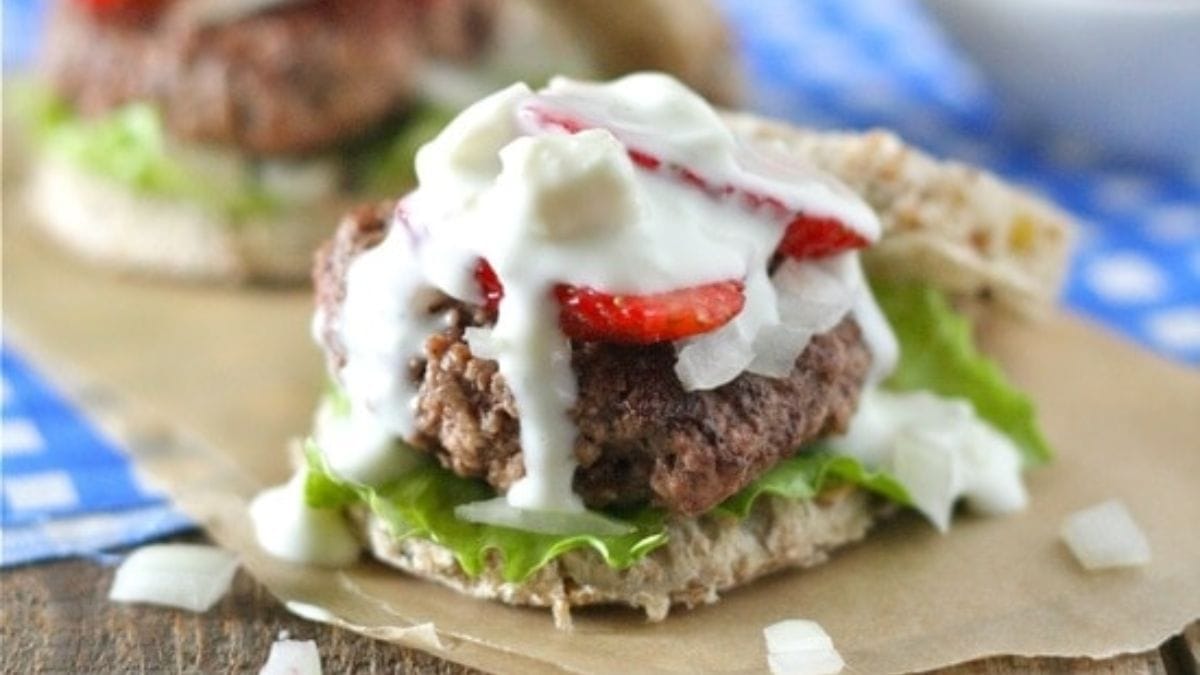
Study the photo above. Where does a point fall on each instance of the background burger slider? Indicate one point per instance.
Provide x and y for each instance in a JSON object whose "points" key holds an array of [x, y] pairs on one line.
{"points": [[219, 139]]}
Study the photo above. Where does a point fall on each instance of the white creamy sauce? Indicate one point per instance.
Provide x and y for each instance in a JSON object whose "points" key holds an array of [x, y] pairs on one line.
{"points": [[632, 187], [877, 332], [289, 529], [939, 450], [384, 322], [543, 206], [366, 452]]}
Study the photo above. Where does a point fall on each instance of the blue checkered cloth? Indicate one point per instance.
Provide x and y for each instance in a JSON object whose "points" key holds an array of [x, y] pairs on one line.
{"points": [[825, 63], [868, 63], [67, 489]]}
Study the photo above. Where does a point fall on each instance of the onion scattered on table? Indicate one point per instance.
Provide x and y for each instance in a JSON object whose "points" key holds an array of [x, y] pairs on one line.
{"points": [[1106, 536], [293, 657], [187, 576]]}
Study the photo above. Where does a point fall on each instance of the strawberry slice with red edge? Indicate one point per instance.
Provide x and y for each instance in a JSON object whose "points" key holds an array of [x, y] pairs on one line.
{"points": [[489, 285], [592, 315], [806, 236], [588, 314], [814, 237]]}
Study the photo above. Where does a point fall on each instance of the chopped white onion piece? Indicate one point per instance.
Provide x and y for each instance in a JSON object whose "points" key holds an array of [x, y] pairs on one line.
{"points": [[809, 662], [499, 512], [776, 349], [796, 635], [1105, 536], [801, 647], [929, 471], [992, 484], [187, 576], [710, 360], [939, 450], [812, 297], [293, 657]]}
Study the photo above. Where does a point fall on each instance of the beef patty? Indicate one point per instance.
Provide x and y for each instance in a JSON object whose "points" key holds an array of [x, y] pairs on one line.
{"points": [[642, 437], [292, 79]]}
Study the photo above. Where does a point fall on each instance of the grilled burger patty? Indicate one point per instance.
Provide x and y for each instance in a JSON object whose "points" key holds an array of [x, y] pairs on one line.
{"points": [[296, 78], [642, 437]]}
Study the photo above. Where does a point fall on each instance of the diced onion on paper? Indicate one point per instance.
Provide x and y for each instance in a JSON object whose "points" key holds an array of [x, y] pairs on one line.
{"points": [[801, 647], [796, 635], [499, 512], [187, 576], [1105, 536], [809, 662]]}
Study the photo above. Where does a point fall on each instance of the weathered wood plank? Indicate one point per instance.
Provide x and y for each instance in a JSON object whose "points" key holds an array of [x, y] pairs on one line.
{"points": [[57, 619], [1142, 664], [1182, 653]]}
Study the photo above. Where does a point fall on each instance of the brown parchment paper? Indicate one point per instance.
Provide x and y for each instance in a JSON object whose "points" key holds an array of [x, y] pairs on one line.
{"points": [[211, 384]]}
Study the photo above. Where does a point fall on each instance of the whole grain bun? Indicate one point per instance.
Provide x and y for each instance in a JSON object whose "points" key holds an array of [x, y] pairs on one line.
{"points": [[702, 557], [107, 223], [955, 226]]}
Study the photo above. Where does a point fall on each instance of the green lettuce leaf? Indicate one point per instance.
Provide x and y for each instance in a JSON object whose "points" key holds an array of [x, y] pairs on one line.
{"points": [[806, 475], [421, 504], [937, 353]]}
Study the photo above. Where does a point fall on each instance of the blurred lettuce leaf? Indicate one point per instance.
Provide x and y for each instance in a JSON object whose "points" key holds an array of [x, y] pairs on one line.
{"points": [[128, 145], [938, 354]]}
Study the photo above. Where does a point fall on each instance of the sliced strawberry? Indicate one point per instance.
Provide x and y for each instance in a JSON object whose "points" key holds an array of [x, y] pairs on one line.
{"points": [[489, 285], [805, 237], [813, 237], [588, 314]]}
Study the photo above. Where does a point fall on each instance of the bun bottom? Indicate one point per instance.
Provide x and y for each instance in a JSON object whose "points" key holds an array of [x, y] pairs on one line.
{"points": [[702, 557], [107, 223]]}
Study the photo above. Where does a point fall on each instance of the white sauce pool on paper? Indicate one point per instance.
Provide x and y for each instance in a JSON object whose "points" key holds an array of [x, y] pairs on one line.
{"points": [[289, 529], [939, 450], [545, 207]]}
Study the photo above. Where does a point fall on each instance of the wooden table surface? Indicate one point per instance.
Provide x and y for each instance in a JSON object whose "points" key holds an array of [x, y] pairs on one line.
{"points": [[57, 619]]}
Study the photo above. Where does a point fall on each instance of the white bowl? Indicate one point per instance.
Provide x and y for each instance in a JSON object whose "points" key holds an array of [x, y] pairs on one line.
{"points": [[1122, 76]]}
